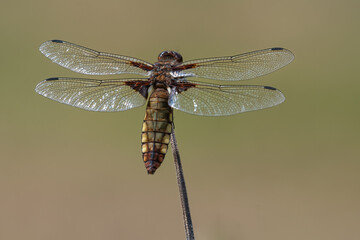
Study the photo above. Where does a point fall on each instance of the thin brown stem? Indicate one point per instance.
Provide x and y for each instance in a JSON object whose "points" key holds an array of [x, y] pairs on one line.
{"points": [[182, 189]]}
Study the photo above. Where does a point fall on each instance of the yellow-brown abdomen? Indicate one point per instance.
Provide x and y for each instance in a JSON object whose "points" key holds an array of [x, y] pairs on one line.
{"points": [[156, 129]]}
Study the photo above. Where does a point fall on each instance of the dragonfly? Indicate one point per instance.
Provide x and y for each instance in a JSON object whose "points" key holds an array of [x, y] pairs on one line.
{"points": [[164, 86]]}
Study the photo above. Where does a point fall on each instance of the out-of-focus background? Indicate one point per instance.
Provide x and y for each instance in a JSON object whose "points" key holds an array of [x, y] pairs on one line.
{"points": [[289, 172]]}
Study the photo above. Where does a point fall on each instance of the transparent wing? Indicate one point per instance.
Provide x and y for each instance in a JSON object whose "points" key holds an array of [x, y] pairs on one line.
{"points": [[95, 95], [217, 100], [84, 60], [238, 67]]}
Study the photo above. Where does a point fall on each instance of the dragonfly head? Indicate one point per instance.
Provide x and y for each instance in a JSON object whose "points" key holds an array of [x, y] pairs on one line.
{"points": [[170, 57]]}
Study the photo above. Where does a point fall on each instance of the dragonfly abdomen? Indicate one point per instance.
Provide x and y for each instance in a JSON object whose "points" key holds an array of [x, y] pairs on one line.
{"points": [[156, 129]]}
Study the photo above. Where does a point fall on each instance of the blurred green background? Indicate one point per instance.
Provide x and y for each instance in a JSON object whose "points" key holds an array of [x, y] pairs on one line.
{"points": [[289, 172]]}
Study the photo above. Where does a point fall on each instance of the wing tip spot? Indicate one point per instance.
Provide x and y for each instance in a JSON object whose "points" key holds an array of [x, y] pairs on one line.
{"points": [[57, 41], [52, 79], [270, 88], [277, 48]]}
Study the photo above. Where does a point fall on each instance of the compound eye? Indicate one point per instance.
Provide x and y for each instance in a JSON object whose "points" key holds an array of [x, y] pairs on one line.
{"points": [[170, 56], [178, 57], [164, 56]]}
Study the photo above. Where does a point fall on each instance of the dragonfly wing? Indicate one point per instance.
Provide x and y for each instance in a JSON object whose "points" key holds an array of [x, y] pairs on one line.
{"points": [[238, 67], [87, 61], [96, 95], [222, 100]]}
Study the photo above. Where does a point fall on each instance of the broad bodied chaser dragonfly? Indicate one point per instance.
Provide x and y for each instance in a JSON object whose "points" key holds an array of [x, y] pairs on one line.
{"points": [[165, 87]]}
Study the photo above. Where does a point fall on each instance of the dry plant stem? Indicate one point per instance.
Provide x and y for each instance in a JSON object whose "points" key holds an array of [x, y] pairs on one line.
{"points": [[182, 189]]}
